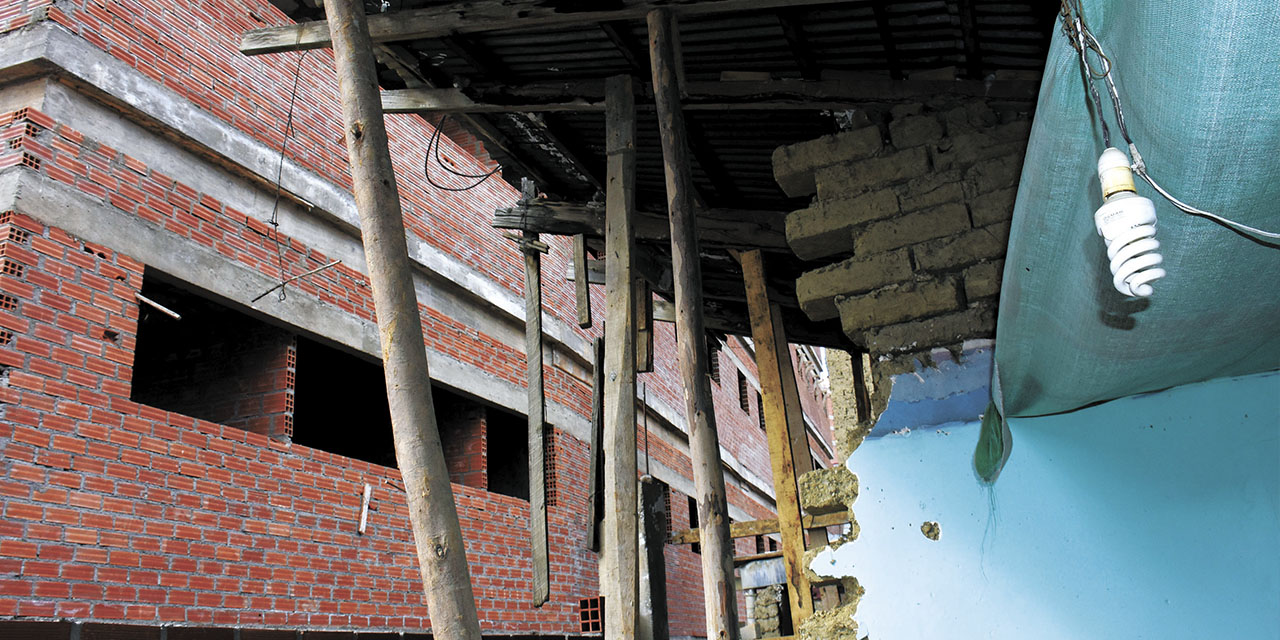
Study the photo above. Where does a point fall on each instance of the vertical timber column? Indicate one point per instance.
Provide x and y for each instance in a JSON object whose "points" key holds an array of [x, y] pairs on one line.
{"points": [[774, 363], [432, 513], [541, 587], [704, 446], [619, 566]]}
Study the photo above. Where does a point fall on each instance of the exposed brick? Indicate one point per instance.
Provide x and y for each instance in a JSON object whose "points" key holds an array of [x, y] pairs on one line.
{"points": [[993, 174], [817, 289], [897, 303], [850, 179], [914, 131], [824, 229], [913, 198], [982, 280], [794, 166], [976, 321], [959, 250], [994, 207], [911, 228]]}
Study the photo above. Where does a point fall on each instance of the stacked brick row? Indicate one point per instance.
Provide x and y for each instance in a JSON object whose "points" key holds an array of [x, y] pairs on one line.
{"points": [[909, 222]]}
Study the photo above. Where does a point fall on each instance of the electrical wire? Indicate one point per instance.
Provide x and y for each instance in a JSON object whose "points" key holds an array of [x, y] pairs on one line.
{"points": [[275, 206], [1083, 41], [433, 151]]}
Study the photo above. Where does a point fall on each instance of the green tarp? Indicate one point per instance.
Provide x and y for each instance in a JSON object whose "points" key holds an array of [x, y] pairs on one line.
{"points": [[1200, 84]]}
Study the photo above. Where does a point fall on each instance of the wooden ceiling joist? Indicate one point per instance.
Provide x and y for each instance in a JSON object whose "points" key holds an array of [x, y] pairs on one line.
{"points": [[764, 95], [717, 228], [482, 16]]}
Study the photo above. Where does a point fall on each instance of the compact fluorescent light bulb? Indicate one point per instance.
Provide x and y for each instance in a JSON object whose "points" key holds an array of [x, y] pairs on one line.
{"points": [[1127, 222]]}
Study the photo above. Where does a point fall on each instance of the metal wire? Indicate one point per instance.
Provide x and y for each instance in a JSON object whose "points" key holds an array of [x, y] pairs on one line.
{"points": [[434, 143], [1083, 41]]}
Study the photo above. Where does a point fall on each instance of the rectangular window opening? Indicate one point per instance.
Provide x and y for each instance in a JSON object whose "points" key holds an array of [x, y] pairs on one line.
{"points": [[760, 407], [225, 366], [744, 401], [713, 358]]}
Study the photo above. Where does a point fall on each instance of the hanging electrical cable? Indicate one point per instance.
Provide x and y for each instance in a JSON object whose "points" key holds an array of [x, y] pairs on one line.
{"points": [[433, 153], [1083, 41], [1126, 221]]}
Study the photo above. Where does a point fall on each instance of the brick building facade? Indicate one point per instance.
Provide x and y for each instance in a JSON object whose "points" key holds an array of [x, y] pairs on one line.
{"points": [[209, 471]]}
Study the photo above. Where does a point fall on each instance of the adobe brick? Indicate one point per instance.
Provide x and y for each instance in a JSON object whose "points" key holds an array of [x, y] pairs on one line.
{"points": [[898, 303], [911, 228], [913, 198], [794, 166], [850, 179], [914, 131], [993, 174], [976, 321], [982, 280], [824, 229], [962, 249], [816, 290]]}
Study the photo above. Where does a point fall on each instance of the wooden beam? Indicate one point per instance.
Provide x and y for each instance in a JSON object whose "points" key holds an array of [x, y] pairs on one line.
{"points": [[619, 33], [717, 228], [619, 571], [774, 364], [581, 281], [432, 512], [595, 477], [969, 34], [541, 584], [886, 40], [653, 507], [495, 143], [644, 326], [752, 528], [790, 23], [704, 448], [710, 95], [482, 16]]}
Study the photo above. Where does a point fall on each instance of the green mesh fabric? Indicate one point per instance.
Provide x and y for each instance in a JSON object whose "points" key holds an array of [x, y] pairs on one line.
{"points": [[1200, 83], [993, 446]]}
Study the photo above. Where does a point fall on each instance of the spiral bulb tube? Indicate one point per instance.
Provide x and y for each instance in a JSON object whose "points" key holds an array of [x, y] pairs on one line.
{"points": [[1127, 223]]}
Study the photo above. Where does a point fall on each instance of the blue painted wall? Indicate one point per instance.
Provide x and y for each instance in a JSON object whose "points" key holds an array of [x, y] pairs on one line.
{"points": [[1147, 517]]}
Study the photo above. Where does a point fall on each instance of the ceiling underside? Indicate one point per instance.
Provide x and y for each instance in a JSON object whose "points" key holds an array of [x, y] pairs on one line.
{"points": [[876, 44]]}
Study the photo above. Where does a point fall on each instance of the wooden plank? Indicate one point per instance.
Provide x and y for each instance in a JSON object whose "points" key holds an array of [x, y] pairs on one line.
{"points": [[619, 577], [644, 326], [773, 366], [653, 508], [595, 476], [433, 515], [969, 33], [581, 281], [706, 95], [717, 228], [541, 584], [704, 447], [886, 40], [482, 16], [752, 528]]}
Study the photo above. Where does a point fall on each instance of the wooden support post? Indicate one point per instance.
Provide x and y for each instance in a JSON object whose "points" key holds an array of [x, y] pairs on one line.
{"points": [[773, 361], [595, 477], [432, 513], [619, 572], [541, 586], [581, 282], [644, 326], [653, 514], [704, 447]]}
